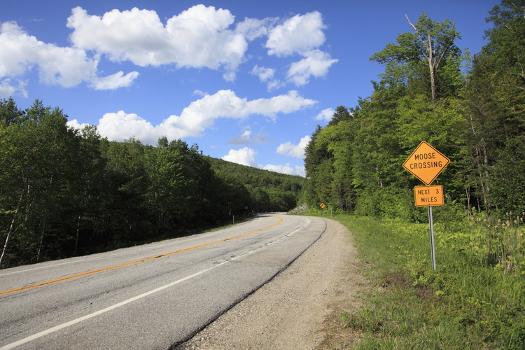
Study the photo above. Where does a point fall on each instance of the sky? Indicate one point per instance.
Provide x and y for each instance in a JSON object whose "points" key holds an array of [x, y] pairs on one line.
{"points": [[247, 81]]}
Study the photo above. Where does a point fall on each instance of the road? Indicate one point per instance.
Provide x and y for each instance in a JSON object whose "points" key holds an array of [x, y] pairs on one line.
{"points": [[152, 296]]}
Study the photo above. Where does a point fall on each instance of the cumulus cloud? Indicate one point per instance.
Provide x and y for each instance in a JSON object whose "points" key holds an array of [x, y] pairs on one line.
{"points": [[263, 73], [114, 81], [122, 126], [198, 116], [302, 35], [9, 88], [63, 66], [294, 150], [285, 169], [199, 93], [298, 34], [315, 63], [244, 156], [197, 37], [6, 88], [75, 124], [253, 28], [56, 65], [247, 137], [325, 115], [266, 75]]}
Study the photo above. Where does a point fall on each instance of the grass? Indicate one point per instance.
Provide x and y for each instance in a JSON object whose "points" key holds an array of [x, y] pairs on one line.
{"points": [[470, 302]]}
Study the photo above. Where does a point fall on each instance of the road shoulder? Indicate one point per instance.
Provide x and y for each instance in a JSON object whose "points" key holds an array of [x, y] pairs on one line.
{"points": [[301, 308]]}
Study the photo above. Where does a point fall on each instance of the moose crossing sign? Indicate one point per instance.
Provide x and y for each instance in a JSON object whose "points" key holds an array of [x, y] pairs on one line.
{"points": [[426, 163]]}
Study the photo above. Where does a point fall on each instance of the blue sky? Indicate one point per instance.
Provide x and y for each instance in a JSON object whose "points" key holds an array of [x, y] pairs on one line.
{"points": [[247, 81]]}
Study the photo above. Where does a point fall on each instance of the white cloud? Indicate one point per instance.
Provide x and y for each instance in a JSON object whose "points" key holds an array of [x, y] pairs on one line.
{"points": [[263, 73], [294, 150], [6, 89], [247, 137], [244, 139], [325, 115], [266, 75], [252, 28], [244, 156], [75, 124], [197, 37], [198, 116], [114, 81], [314, 64], [285, 169], [63, 66], [199, 93], [56, 65], [9, 88], [298, 34], [122, 126]]}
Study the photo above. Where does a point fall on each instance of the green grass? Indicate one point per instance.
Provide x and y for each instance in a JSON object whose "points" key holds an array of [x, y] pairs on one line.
{"points": [[470, 302]]}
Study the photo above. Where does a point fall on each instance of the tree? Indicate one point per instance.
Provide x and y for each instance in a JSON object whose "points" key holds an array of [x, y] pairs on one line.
{"points": [[432, 43]]}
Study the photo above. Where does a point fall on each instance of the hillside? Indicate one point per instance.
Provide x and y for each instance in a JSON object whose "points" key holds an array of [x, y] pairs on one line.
{"points": [[271, 191]]}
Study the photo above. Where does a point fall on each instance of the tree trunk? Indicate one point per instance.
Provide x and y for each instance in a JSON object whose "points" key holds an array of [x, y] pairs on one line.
{"points": [[28, 206], [77, 235], [11, 226], [431, 68], [483, 181], [467, 193], [41, 243], [44, 221]]}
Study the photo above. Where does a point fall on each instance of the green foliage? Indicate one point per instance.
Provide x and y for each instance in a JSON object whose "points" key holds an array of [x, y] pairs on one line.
{"points": [[268, 191], [467, 303]]}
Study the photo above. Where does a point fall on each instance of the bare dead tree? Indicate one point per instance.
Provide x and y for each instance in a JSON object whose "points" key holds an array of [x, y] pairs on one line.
{"points": [[434, 59]]}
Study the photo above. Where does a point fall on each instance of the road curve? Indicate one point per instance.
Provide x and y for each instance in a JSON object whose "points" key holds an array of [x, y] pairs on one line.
{"points": [[152, 296]]}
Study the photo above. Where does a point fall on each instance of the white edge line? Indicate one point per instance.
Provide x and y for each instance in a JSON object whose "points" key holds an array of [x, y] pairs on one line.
{"points": [[137, 297], [100, 312]]}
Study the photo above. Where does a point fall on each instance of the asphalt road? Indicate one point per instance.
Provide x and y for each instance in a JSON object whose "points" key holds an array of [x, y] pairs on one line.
{"points": [[147, 297]]}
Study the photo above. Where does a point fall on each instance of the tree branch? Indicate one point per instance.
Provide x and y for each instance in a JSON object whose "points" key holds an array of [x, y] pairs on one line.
{"points": [[443, 53], [411, 24]]}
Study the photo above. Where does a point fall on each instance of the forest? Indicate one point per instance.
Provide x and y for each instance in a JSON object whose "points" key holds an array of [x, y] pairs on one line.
{"points": [[469, 107], [67, 192]]}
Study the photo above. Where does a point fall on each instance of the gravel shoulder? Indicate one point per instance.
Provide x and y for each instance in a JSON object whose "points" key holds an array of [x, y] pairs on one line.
{"points": [[300, 308]]}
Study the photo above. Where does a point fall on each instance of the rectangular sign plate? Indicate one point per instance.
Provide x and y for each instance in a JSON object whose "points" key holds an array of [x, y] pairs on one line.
{"points": [[429, 196]]}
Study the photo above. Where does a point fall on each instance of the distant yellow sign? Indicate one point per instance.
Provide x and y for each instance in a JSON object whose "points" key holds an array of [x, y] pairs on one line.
{"points": [[429, 196], [426, 163], [322, 205]]}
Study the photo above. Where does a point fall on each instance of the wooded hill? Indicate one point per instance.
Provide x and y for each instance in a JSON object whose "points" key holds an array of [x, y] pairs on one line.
{"points": [[65, 192], [269, 191], [472, 109]]}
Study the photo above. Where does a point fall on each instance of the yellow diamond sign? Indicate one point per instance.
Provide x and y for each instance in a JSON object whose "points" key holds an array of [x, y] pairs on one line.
{"points": [[426, 163]]}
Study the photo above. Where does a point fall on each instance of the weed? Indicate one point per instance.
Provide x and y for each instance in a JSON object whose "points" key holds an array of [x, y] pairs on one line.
{"points": [[475, 300]]}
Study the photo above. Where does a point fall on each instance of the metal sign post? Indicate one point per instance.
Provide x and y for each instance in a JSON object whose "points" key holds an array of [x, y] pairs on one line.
{"points": [[432, 239]]}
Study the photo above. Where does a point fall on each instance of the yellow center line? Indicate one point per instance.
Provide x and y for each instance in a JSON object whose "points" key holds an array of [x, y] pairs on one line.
{"points": [[78, 275]]}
